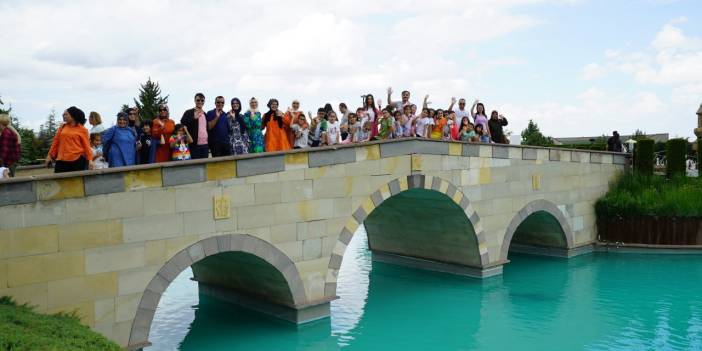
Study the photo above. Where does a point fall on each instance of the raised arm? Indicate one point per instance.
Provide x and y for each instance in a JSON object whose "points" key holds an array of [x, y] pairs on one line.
{"points": [[453, 102], [472, 109], [389, 97], [425, 104]]}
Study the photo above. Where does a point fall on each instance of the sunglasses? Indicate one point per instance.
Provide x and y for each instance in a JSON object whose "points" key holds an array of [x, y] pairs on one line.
{"points": [[132, 113], [199, 100], [219, 102], [162, 109]]}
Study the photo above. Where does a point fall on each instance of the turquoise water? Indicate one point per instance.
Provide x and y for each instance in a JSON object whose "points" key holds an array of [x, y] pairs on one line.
{"points": [[594, 302]]}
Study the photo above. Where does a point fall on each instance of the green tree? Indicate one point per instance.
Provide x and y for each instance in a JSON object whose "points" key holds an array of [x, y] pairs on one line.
{"points": [[149, 100], [533, 136], [46, 134], [124, 108]]}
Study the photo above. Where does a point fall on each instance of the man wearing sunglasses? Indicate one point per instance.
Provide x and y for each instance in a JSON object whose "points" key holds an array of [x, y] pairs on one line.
{"points": [[218, 130], [196, 122]]}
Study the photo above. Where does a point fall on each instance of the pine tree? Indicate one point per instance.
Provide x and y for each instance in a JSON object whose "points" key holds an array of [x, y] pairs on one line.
{"points": [[149, 100], [47, 131], [533, 136], [124, 108]]}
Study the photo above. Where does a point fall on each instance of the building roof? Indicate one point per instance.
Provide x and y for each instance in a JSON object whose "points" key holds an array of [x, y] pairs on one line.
{"points": [[659, 138]]}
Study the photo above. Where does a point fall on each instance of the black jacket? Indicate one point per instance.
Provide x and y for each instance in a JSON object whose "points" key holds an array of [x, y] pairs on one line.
{"points": [[189, 121]]}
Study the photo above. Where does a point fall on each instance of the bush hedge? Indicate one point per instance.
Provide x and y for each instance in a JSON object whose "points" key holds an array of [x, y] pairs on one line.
{"points": [[643, 156], [676, 153], [635, 194], [23, 329]]}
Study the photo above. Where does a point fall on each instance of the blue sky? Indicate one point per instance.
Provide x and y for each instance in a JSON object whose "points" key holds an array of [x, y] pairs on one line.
{"points": [[577, 67]]}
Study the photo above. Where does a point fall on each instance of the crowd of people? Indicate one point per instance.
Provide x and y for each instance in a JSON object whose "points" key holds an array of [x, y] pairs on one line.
{"points": [[238, 131]]}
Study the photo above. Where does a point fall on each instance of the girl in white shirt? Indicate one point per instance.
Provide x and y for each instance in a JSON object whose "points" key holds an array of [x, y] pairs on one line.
{"points": [[333, 134]]}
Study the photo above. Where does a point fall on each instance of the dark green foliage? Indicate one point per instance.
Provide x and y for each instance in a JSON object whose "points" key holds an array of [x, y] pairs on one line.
{"points": [[643, 156], [636, 194], [23, 329], [676, 153], [149, 100], [533, 136], [699, 157], [594, 146]]}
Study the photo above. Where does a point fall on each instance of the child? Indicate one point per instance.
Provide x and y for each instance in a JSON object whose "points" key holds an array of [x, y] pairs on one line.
{"points": [[99, 161], [482, 136], [352, 131], [144, 144], [4, 173], [333, 134], [467, 133], [301, 131], [423, 124], [399, 124], [446, 131], [408, 120], [364, 133], [179, 143], [387, 125]]}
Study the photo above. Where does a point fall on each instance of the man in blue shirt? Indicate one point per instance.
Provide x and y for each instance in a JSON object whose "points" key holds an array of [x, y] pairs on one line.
{"points": [[218, 130]]}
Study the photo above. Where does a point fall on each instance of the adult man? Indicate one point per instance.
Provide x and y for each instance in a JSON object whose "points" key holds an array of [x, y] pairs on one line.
{"points": [[196, 122], [614, 143], [461, 110], [218, 130], [399, 105]]}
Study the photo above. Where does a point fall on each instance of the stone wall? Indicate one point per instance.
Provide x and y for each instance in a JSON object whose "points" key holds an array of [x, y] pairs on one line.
{"points": [[106, 243]]}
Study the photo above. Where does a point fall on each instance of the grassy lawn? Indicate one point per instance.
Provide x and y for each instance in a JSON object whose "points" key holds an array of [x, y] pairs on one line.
{"points": [[638, 195], [23, 329]]}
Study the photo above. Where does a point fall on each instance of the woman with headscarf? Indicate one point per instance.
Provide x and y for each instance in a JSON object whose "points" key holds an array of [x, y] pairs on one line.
{"points": [[119, 143], [237, 129], [71, 149], [254, 126], [274, 122], [161, 129], [293, 115]]}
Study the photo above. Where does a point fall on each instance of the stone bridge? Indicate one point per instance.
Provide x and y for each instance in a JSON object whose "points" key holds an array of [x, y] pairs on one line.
{"points": [[269, 231]]}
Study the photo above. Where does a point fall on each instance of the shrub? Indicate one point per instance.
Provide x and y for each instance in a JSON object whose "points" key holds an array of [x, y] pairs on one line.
{"points": [[676, 154], [643, 156], [23, 329], [636, 194]]}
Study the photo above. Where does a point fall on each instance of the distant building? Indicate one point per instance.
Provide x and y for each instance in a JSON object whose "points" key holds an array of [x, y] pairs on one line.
{"points": [[658, 138]]}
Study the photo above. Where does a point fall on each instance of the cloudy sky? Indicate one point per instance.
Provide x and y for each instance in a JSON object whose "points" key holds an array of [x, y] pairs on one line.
{"points": [[577, 67]]}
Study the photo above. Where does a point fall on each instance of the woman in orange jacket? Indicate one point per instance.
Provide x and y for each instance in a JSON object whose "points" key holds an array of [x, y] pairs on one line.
{"points": [[71, 149]]}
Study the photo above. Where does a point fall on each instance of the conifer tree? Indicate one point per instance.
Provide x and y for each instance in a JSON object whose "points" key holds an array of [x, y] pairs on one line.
{"points": [[149, 100]]}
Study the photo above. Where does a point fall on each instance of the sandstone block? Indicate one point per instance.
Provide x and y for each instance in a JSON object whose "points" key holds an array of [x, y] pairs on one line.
{"points": [[221, 170], [143, 179], [81, 289], [152, 227], [114, 258], [57, 189]]}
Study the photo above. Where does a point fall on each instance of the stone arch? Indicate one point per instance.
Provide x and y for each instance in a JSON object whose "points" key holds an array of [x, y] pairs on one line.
{"points": [[197, 252], [526, 211], [397, 186]]}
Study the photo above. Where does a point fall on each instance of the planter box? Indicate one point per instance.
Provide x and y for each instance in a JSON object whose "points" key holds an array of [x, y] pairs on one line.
{"points": [[651, 230]]}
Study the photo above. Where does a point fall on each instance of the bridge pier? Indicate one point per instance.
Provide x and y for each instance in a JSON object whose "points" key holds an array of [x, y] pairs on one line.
{"points": [[298, 314], [443, 267], [551, 251]]}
